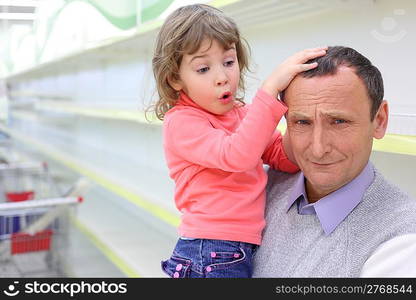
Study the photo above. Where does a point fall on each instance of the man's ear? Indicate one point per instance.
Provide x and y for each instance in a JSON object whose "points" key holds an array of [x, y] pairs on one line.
{"points": [[380, 120], [176, 84]]}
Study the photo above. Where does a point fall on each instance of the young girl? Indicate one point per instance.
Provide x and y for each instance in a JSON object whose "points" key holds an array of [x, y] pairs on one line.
{"points": [[215, 146]]}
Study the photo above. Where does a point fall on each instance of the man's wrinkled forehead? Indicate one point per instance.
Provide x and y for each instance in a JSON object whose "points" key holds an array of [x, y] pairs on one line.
{"points": [[338, 95], [343, 84]]}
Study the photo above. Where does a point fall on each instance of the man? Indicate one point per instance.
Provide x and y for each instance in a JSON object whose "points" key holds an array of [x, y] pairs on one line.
{"points": [[338, 217]]}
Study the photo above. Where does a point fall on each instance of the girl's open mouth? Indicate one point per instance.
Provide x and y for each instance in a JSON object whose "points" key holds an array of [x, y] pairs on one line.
{"points": [[226, 97]]}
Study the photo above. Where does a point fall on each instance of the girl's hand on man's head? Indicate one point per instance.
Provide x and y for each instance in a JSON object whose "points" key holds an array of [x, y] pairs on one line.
{"points": [[280, 78]]}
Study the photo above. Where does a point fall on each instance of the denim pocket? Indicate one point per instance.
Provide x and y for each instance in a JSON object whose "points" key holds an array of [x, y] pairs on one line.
{"points": [[177, 267], [224, 259]]}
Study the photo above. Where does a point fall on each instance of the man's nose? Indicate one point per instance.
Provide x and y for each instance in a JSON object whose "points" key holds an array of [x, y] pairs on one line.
{"points": [[320, 142], [221, 77]]}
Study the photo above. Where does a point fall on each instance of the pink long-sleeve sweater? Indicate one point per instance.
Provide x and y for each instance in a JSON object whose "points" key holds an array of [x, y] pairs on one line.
{"points": [[217, 161]]}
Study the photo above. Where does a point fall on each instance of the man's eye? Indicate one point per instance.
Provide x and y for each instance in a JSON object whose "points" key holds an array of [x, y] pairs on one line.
{"points": [[301, 122], [203, 70], [229, 63], [340, 121]]}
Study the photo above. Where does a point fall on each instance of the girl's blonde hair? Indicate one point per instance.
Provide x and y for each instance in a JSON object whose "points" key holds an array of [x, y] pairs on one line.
{"points": [[182, 33]]}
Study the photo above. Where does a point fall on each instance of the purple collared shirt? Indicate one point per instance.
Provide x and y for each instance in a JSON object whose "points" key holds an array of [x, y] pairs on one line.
{"points": [[332, 209]]}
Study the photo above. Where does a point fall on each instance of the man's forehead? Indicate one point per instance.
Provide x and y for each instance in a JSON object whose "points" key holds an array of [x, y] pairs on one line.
{"points": [[342, 85], [313, 111], [344, 79], [337, 94]]}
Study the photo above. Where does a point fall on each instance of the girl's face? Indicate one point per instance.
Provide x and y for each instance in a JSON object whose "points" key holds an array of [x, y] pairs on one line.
{"points": [[210, 77]]}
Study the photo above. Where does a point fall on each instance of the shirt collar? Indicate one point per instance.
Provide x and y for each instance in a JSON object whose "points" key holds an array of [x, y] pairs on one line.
{"points": [[184, 100], [298, 190], [335, 207]]}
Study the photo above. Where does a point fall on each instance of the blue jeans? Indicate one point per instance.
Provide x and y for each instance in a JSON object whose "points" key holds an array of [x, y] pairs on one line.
{"points": [[204, 258]]}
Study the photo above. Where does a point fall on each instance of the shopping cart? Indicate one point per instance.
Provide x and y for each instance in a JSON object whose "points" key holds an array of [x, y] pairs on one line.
{"points": [[34, 226]]}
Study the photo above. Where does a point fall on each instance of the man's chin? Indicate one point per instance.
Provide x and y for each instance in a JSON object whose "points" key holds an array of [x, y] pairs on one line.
{"points": [[322, 178], [323, 187]]}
